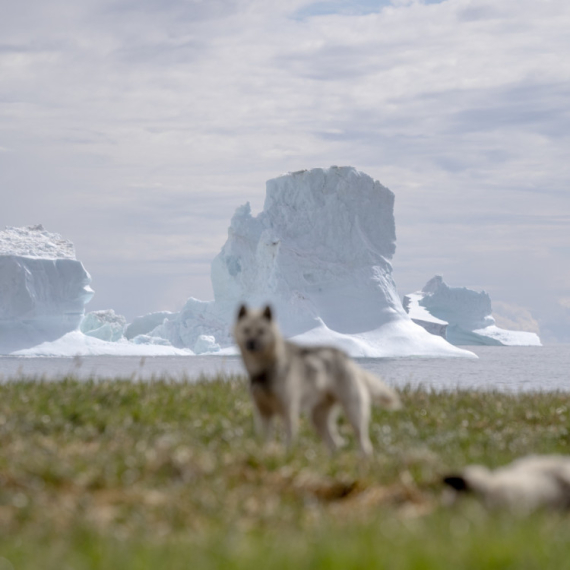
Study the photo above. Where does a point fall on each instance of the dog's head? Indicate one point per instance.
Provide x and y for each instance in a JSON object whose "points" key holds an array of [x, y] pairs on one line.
{"points": [[472, 479], [457, 482], [255, 331]]}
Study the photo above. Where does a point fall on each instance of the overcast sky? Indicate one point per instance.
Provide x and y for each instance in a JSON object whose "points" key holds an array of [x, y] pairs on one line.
{"points": [[136, 127]]}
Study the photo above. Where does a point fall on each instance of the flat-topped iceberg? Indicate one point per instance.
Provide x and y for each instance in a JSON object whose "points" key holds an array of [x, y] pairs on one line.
{"points": [[43, 288], [464, 316], [319, 253], [43, 292]]}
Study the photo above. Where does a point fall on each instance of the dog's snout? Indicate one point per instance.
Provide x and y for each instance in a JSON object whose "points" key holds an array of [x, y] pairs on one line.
{"points": [[252, 344]]}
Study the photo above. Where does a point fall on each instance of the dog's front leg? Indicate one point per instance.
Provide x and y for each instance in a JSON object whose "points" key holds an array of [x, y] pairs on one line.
{"points": [[263, 425], [291, 420]]}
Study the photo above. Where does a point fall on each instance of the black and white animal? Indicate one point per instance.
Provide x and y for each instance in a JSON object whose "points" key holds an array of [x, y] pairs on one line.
{"points": [[525, 485], [287, 379]]}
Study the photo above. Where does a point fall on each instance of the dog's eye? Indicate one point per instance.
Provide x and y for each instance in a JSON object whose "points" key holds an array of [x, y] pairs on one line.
{"points": [[246, 330], [260, 332]]}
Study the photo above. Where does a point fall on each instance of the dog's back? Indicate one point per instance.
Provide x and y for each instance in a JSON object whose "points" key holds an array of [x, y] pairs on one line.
{"points": [[337, 371]]}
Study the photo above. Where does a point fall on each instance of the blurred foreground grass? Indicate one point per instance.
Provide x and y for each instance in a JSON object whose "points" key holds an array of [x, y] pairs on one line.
{"points": [[125, 475]]}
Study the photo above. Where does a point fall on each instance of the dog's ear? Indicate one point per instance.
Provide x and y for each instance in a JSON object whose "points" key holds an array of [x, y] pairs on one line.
{"points": [[267, 313], [242, 312], [457, 482]]}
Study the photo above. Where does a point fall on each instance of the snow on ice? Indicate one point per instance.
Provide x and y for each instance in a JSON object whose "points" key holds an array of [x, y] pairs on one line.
{"points": [[461, 315], [76, 343]]}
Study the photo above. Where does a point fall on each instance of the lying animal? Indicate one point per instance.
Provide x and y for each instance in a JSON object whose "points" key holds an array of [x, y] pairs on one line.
{"points": [[287, 379], [526, 484]]}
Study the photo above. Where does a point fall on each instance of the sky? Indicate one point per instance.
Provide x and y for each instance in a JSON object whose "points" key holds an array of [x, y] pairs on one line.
{"points": [[135, 128]]}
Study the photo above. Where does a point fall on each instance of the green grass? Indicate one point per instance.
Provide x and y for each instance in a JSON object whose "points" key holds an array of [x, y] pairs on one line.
{"points": [[125, 475]]}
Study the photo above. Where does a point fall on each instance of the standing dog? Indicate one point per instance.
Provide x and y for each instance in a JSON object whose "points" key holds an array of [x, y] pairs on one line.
{"points": [[287, 379]]}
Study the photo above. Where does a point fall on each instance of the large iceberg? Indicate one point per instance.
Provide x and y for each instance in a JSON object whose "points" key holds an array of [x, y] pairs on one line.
{"points": [[43, 288], [320, 253], [461, 315]]}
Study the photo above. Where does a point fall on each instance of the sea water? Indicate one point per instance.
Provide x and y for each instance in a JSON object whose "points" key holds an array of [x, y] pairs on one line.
{"points": [[518, 368]]}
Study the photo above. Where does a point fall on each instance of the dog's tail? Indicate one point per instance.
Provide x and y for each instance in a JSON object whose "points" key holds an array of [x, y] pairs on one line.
{"points": [[381, 392]]}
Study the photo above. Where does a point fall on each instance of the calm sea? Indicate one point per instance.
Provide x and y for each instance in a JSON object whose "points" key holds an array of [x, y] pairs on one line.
{"points": [[502, 368]]}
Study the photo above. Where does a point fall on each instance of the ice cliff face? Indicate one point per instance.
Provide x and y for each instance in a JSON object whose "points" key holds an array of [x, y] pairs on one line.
{"points": [[43, 288], [320, 253], [467, 314]]}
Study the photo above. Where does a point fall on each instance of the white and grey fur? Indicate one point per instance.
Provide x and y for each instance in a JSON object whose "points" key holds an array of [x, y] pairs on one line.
{"points": [[529, 483], [287, 379]]}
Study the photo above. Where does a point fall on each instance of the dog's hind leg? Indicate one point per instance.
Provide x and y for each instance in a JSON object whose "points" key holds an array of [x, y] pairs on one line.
{"points": [[333, 425], [324, 417], [358, 413]]}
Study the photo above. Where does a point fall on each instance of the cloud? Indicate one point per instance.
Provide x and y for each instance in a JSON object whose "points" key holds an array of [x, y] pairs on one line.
{"points": [[345, 7], [350, 7], [144, 124]]}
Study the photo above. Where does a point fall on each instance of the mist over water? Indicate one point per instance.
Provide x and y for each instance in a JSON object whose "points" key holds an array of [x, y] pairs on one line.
{"points": [[517, 368]]}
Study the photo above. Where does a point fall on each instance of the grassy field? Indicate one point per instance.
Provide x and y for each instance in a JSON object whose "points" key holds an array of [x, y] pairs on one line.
{"points": [[122, 475]]}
